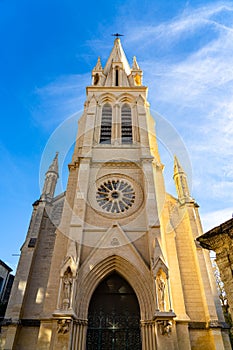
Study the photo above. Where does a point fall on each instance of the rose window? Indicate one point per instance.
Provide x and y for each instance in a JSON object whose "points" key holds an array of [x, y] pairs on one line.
{"points": [[115, 196]]}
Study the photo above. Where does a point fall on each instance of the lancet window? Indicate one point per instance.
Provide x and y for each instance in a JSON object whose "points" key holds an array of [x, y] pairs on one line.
{"points": [[117, 77], [126, 124], [106, 124]]}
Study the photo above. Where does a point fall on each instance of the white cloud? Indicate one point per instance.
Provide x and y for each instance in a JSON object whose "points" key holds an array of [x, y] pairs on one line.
{"points": [[190, 20], [216, 218], [60, 99]]}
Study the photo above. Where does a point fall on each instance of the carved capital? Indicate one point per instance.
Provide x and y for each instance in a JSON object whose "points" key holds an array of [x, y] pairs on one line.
{"points": [[165, 327], [146, 323], [164, 321], [81, 322], [63, 326]]}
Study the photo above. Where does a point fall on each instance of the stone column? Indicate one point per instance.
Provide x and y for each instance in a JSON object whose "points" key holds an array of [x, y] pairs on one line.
{"points": [[116, 124], [97, 124], [135, 123], [79, 335], [148, 335]]}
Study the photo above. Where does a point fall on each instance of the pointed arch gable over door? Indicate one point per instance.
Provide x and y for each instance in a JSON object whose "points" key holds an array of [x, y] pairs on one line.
{"points": [[139, 279]]}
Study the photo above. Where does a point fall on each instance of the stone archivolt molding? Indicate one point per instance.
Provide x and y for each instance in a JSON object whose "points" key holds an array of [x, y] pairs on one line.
{"points": [[90, 278], [123, 98]]}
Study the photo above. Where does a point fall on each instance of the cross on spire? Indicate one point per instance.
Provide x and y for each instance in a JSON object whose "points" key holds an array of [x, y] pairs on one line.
{"points": [[117, 35]]}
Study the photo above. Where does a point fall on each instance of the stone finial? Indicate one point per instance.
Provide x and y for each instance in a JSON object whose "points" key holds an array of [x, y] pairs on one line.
{"points": [[177, 167], [98, 66], [54, 166], [135, 65]]}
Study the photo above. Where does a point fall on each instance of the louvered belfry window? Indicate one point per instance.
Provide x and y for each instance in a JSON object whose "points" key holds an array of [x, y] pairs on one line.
{"points": [[126, 124], [106, 124]]}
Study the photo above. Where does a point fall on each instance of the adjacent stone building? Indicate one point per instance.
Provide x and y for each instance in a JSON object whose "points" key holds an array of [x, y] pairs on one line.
{"points": [[113, 262], [6, 281], [220, 240]]}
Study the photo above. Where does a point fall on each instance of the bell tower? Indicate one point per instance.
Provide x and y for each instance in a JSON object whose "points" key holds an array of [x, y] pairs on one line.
{"points": [[125, 271]]}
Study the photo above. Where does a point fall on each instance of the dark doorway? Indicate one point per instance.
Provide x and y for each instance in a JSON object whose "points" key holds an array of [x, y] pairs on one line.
{"points": [[114, 316]]}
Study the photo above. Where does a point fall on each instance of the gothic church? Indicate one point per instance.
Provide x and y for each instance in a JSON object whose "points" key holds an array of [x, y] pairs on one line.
{"points": [[113, 263]]}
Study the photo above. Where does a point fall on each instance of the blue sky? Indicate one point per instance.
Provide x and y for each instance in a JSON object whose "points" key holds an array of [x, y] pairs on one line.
{"points": [[48, 50]]}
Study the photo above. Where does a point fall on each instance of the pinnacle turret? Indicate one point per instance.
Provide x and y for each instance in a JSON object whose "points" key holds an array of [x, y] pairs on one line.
{"points": [[181, 183], [97, 74], [136, 72], [177, 167], [54, 166], [50, 182]]}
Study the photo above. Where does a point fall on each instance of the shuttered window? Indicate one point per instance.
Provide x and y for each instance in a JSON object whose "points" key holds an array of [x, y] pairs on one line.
{"points": [[106, 124], [126, 124]]}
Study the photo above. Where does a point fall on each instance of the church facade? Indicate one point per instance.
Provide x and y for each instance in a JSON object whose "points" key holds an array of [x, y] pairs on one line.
{"points": [[113, 262]]}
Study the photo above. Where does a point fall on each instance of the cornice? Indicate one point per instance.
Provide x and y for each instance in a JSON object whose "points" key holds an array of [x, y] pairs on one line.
{"points": [[116, 88]]}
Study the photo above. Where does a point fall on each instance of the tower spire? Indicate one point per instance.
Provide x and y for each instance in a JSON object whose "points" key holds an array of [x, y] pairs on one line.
{"points": [[50, 182], [181, 183], [117, 71]]}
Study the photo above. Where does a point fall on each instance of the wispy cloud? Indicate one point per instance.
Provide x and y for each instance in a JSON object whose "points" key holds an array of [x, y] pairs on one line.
{"points": [[215, 218], [60, 99], [194, 90], [189, 21]]}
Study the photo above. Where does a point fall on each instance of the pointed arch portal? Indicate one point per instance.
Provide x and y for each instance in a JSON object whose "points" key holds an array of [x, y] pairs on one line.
{"points": [[114, 316]]}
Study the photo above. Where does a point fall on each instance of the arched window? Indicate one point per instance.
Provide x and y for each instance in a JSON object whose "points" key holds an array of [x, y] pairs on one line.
{"points": [[106, 124], [117, 77], [126, 124]]}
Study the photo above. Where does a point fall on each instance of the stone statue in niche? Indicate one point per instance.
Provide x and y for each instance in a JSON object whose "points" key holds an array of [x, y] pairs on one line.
{"points": [[67, 288], [161, 285]]}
